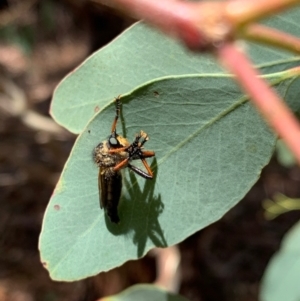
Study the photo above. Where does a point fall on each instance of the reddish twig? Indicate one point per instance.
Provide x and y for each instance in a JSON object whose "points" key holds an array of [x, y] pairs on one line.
{"points": [[270, 36], [266, 100], [241, 12], [195, 24], [199, 25]]}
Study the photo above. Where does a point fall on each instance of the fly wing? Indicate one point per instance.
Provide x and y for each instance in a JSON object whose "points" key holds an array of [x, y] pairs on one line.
{"points": [[110, 187], [102, 188]]}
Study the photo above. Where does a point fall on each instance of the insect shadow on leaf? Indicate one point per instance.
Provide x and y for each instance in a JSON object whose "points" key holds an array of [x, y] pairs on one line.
{"points": [[139, 212]]}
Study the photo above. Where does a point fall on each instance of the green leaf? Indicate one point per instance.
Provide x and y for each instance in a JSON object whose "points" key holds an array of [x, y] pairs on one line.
{"points": [[210, 146], [284, 156], [281, 278], [145, 293], [140, 55]]}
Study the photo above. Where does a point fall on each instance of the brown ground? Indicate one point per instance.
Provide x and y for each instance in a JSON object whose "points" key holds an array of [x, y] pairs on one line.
{"points": [[222, 262]]}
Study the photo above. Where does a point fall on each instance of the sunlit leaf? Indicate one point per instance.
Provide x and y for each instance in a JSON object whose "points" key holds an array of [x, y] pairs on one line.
{"points": [[210, 146], [142, 54]]}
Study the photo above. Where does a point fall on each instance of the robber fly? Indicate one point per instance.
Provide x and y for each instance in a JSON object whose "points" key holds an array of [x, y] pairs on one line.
{"points": [[114, 154]]}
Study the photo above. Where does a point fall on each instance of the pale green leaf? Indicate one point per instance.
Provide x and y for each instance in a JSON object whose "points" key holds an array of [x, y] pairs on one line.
{"points": [[145, 293], [281, 278], [210, 146], [142, 54]]}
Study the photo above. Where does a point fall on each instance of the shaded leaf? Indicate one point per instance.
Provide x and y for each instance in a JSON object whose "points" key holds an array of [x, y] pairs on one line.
{"points": [[281, 278], [144, 293], [210, 146]]}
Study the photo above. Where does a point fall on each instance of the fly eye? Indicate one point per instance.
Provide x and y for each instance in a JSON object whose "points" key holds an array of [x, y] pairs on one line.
{"points": [[113, 141]]}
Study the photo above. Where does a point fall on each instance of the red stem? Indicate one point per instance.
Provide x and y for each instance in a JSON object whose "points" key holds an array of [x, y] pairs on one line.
{"points": [[266, 100]]}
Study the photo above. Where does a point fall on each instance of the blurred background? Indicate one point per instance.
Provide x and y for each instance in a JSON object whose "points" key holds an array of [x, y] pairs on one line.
{"points": [[41, 41]]}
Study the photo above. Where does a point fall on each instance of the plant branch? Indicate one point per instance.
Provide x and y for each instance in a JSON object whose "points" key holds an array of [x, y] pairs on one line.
{"points": [[276, 113], [200, 25], [241, 12], [270, 36]]}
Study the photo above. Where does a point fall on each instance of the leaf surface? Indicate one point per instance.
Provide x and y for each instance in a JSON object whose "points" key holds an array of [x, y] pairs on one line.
{"points": [[144, 293], [281, 278], [210, 146], [142, 54]]}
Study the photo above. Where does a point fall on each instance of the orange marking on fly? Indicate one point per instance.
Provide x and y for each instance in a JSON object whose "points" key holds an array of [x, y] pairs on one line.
{"points": [[111, 156]]}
